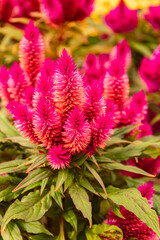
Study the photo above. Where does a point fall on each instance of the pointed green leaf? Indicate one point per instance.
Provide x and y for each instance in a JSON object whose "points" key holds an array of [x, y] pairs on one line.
{"points": [[86, 184], [37, 161], [12, 232], [7, 194], [6, 127], [57, 196], [71, 218], [22, 141], [81, 201], [69, 180], [43, 184], [62, 176], [10, 166]]}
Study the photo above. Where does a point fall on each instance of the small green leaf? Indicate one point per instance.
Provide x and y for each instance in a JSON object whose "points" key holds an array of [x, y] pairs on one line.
{"points": [[57, 196], [31, 208], [22, 141], [96, 175], [33, 177], [37, 161], [69, 180], [62, 176], [10, 166], [12, 232], [104, 231], [7, 194], [132, 200], [81, 201], [86, 184], [6, 127], [43, 184], [32, 227], [71, 218], [41, 237]]}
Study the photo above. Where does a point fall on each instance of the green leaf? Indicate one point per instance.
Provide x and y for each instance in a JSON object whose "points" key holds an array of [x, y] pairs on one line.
{"points": [[22, 141], [7, 194], [86, 184], [12, 232], [37, 161], [122, 131], [71, 218], [132, 200], [104, 231], [40, 237], [81, 201], [69, 180], [141, 48], [43, 184], [128, 168], [31, 208], [10, 166], [62, 176], [33, 227], [96, 175], [6, 127], [57, 196], [156, 203], [12, 32], [33, 177]]}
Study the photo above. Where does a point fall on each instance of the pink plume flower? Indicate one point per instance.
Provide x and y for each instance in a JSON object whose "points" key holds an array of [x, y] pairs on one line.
{"points": [[17, 82], [6, 10], [95, 67], [25, 8], [94, 103], [77, 132], [4, 76], [116, 84], [153, 17], [122, 52], [132, 226], [31, 51], [47, 123], [120, 24], [150, 72], [59, 157], [144, 130], [23, 118], [136, 110], [58, 12], [68, 85]]}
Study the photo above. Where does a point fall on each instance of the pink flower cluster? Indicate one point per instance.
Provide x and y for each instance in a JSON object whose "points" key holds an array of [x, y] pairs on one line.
{"points": [[51, 103], [54, 11], [131, 225]]}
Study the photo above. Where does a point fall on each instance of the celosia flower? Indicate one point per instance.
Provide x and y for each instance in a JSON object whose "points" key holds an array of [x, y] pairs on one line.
{"points": [[150, 71], [119, 24], [95, 67], [59, 157], [131, 225], [153, 17], [31, 51], [68, 85], [4, 75], [94, 103], [23, 118], [77, 132], [58, 12], [6, 10], [144, 130], [116, 84], [25, 8], [122, 52]]}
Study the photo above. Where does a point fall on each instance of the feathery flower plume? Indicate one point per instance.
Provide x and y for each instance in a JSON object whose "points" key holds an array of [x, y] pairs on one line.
{"points": [[116, 84], [31, 51], [153, 17], [46, 122], [77, 132], [25, 8], [68, 85], [16, 82], [59, 157], [136, 109], [144, 130], [23, 118], [122, 52], [120, 24], [6, 10], [132, 226], [94, 103], [58, 12], [4, 76], [101, 128], [150, 72]]}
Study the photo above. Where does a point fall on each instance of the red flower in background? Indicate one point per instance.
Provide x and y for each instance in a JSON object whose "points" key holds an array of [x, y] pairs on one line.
{"points": [[153, 17]]}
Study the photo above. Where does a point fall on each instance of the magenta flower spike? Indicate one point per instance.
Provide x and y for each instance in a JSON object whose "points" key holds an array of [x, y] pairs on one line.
{"points": [[6, 10], [68, 85], [31, 52], [94, 103], [59, 157], [153, 17], [120, 24], [150, 72], [116, 84], [23, 118], [57, 11], [131, 225], [77, 132], [4, 76], [122, 52], [144, 130]]}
